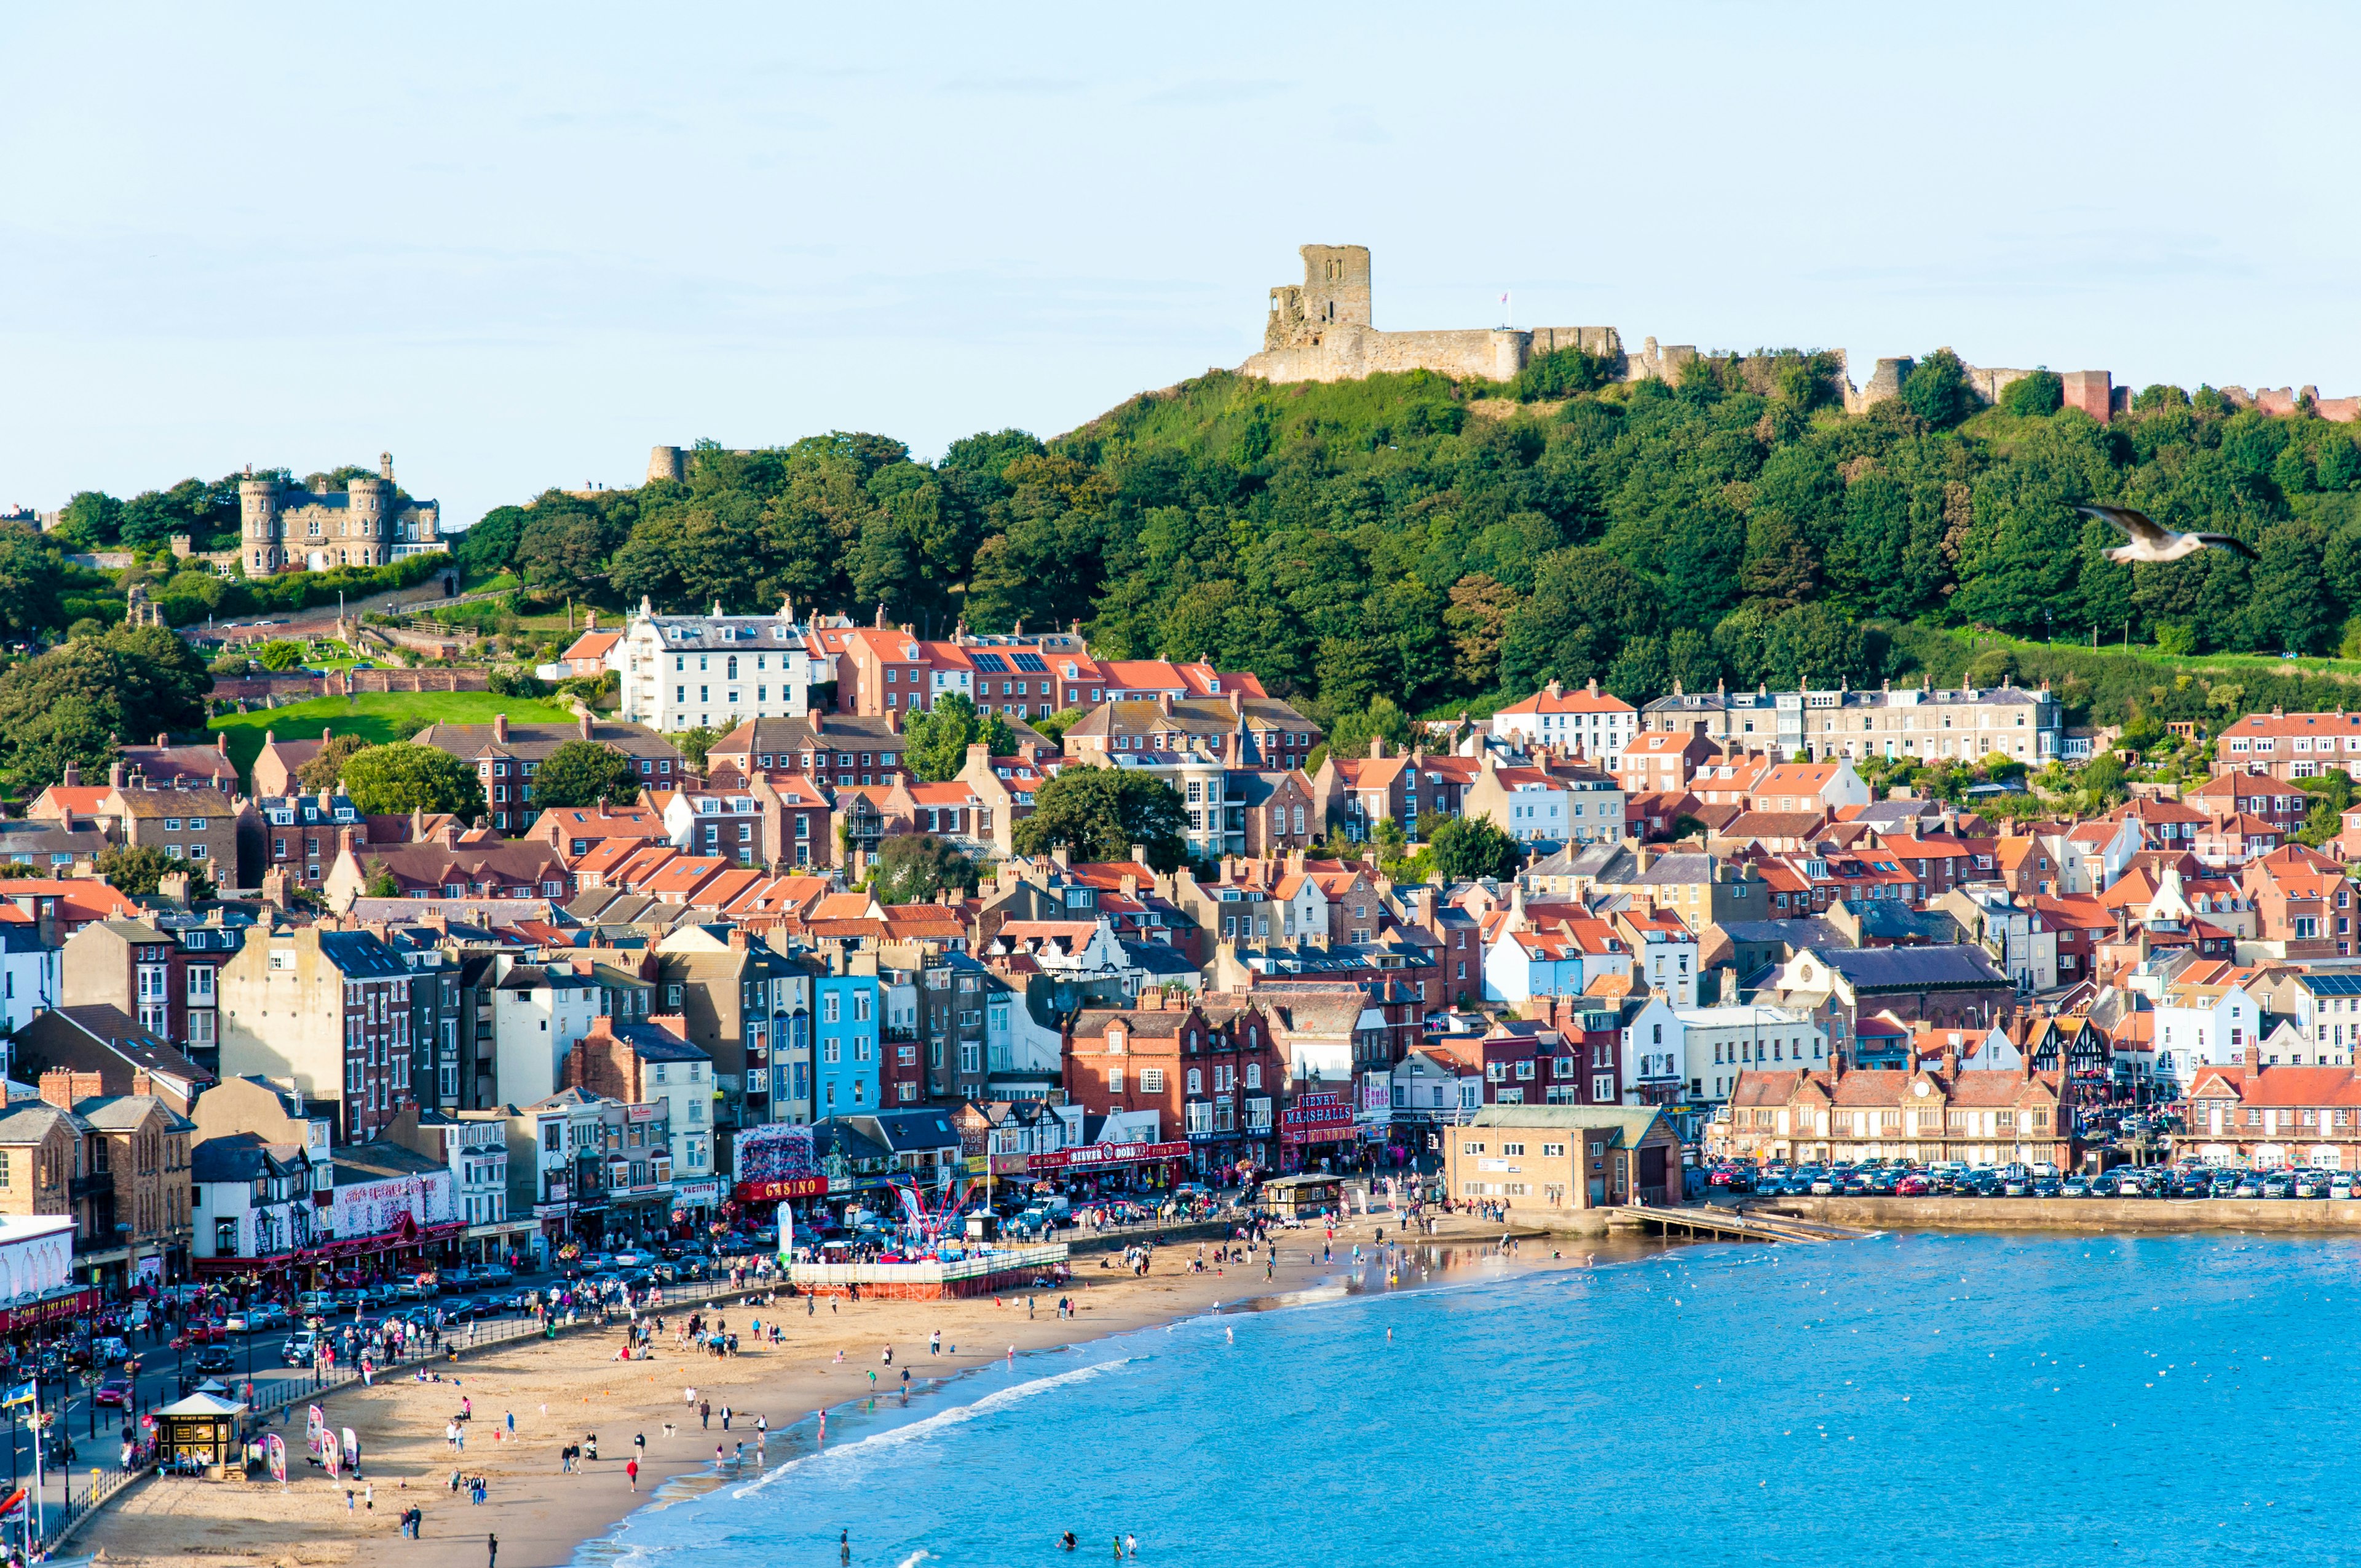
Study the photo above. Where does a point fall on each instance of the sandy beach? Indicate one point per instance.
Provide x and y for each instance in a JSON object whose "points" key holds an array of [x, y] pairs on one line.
{"points": [[560, 1391]]}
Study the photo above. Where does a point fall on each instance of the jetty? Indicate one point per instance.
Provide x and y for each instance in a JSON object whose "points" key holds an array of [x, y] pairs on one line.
{"points": [[1727, 1224]]}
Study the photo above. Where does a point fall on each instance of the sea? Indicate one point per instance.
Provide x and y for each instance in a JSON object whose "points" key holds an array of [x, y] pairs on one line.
{"points": [[1923, 1400]]}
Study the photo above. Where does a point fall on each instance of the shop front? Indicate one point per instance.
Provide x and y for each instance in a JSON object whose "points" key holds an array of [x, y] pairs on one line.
{"points": [[1112, 1170], [1312, 1128]]}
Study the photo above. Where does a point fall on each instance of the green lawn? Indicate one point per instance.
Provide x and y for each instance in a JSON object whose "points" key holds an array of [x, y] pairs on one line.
{"points": [[377, 716]]}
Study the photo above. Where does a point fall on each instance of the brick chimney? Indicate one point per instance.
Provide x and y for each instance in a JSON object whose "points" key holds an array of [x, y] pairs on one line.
{"points": [[1151, 1000], [73, 777], [61, 1087], [141, 1083], [583, 723], [501, 728], [1376, 747]]}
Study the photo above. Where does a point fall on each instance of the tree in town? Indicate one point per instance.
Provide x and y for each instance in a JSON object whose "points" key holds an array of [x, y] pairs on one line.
{"points": [[380, 882], [584, 772], [1101, 813], [935, 739], [403, 776], [280, 654], [695, 743], [325, 767], [1466, 847], [137, 871], [916, 868]]}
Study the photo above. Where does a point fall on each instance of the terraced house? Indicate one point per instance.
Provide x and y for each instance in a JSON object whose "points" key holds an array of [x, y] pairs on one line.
{"points": [[1940, 1113], [506, 757]]}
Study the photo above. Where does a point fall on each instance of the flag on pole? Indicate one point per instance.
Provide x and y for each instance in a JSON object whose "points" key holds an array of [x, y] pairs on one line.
{"points": [[22, 1394]]}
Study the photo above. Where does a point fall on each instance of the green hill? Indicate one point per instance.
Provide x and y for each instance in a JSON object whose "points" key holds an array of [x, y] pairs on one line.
{"points": [[1436, 542]]}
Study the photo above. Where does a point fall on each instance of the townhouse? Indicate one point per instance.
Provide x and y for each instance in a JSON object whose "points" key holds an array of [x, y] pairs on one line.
{"points": [[1919, 723], [2273, 1118], [1212, 1084], [1588, 722], [299, 835], [643, 1064], [2289, 746], [1548, 803], [506, 757], [328, 1009], [1927, 1115]]}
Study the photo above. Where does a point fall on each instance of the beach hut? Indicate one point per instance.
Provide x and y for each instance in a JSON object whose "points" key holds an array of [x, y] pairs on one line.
{"points": [[202, 1432]]}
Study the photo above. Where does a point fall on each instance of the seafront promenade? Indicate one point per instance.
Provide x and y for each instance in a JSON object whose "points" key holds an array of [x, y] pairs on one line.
{"points": [[2293, 1216]]}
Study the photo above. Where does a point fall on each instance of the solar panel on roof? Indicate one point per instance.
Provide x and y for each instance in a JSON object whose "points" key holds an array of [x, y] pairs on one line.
{"points": [[2336, 984], [990, 663], [1030, 663]]}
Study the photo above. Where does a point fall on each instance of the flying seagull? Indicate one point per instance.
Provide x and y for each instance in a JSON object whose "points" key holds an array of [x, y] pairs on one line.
{"points": [[2152, 542]]}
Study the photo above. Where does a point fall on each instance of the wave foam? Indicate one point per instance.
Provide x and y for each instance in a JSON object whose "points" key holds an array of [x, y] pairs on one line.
{"points": [[957, 1415]]}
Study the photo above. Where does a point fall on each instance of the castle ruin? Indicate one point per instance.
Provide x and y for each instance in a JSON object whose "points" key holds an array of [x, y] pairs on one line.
{"points": [[1325, 329]]}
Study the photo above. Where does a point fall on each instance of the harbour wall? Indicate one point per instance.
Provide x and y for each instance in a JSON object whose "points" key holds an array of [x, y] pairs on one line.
{"points": [[2289, 1216]]}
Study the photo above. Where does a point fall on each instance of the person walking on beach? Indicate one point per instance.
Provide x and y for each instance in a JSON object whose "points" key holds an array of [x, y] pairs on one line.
{"points": [[632, 1473], [491, 1550], [705, 1414]]}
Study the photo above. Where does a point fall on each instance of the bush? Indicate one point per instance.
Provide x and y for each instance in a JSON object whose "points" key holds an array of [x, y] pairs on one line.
{"points": [[2042, 393], [1560, 373], [508, 682], [280, 654]]}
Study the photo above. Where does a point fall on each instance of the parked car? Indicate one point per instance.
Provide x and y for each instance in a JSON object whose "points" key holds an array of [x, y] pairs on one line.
{"points": [[114, 1391], [217, 1358]]}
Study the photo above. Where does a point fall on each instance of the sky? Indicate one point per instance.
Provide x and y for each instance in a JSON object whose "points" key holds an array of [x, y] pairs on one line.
{"points": [[519, 244]]}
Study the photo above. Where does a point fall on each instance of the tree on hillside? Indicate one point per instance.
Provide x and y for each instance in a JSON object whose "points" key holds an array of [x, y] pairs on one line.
{"points": [[935, 740], [137, 871], [1937, 390], [584, 772], [31, 578], [74, 703], [1350, 734], [403, 777], [326, 766], [2038, 392], [915, 867], [1100, 813], [1466, 847]]}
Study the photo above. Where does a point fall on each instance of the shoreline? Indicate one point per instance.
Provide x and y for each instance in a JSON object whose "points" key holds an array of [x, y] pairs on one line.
{"points": [[559, 1391], [2076, 1216]]}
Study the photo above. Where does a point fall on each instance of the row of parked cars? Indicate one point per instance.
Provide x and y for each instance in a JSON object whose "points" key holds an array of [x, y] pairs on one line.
{"points": [[2042, 1181]]}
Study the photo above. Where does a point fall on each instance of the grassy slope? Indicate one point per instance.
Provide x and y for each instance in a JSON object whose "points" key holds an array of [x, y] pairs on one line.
{"points": [[376, 717]]}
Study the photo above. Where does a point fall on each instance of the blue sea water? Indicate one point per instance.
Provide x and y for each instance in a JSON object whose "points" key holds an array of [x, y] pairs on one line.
{"points": [[1919, 1400]]}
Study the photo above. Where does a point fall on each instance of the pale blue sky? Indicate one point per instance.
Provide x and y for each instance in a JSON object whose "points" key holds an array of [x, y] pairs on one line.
{"points": [[519, 245]]}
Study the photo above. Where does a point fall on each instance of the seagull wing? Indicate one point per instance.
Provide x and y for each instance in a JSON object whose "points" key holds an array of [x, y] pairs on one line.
{"points": [[2137, 525], [2224, 542]]}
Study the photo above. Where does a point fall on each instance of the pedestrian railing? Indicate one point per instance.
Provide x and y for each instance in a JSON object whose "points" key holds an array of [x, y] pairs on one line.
{"points": [[64, 1520], [928, 1271], [476, 1334]]}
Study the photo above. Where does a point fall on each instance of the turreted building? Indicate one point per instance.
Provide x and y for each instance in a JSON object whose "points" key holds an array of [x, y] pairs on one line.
{"points": [[284, 527]]}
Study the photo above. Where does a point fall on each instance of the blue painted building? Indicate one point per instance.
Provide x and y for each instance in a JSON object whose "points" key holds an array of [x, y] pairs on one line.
{"points": [[844, 1056]]}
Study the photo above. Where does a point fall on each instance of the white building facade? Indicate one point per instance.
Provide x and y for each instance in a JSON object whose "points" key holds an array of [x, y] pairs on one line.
{"points": [[679, 672]]}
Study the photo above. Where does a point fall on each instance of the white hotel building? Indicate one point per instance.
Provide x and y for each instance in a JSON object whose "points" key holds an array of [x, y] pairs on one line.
{"points": [[681, 671]]}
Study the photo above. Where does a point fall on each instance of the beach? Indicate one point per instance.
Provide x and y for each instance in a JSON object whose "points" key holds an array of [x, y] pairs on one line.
{"points": [[561, 1391]]}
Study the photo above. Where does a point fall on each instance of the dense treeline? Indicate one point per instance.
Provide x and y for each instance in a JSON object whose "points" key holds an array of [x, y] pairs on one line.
{"points": [[1440, 543]]}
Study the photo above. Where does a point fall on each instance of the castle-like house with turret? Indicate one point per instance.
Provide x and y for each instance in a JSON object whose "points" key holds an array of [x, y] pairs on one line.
{"points": [[287, 527]]}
